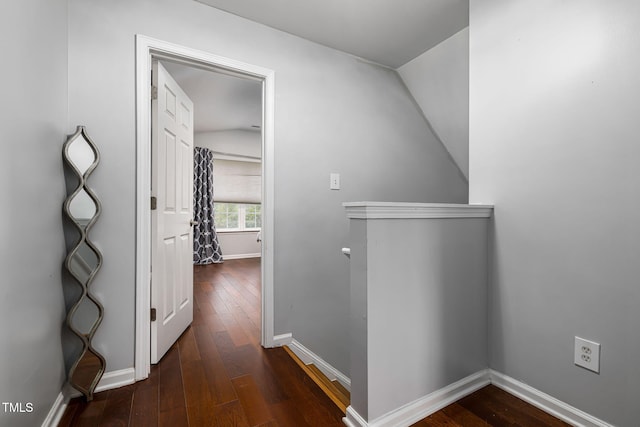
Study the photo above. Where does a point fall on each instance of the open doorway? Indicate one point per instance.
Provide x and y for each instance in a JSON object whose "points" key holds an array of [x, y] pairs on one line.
{"points": [[149, 50], [227, 204]]}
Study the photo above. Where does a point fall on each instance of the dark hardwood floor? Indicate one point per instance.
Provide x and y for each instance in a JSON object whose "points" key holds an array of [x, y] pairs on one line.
{"points": [[217, 374], [490, 406]]}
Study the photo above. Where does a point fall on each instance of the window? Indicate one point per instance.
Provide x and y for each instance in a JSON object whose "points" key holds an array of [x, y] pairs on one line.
{"points": [[252, 217], [237, 217]]}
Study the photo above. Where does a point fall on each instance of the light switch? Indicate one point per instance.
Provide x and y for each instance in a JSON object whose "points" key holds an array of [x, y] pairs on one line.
{"points": [[334, 181]]}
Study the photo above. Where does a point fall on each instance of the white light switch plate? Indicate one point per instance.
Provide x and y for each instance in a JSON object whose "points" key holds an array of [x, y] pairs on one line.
{"points": [[334, 181]]}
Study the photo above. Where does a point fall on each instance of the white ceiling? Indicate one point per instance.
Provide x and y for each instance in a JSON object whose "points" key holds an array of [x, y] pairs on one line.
{"points": [[389, 32], [221, 102]]}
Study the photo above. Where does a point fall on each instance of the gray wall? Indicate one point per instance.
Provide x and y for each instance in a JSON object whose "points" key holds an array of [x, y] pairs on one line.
{"points": [[33, 119], [424, 296], [333, 113], [439, 81], [554, 145]]}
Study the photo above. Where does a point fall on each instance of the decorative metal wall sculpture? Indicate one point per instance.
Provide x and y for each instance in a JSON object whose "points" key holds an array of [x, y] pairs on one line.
{"points": [[83, 261]]}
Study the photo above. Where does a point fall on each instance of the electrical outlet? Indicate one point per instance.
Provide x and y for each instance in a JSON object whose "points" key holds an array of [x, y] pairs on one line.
{"points": [[587, 354]]}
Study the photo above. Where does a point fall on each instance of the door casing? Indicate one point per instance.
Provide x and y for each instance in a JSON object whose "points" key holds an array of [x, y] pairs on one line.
{"points": [[148, 48]]}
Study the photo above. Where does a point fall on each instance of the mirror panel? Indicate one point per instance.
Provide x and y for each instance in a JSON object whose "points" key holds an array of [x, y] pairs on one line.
{"points": [[85, 316], [84, 374], [82, 208], [84, 260], [83, 263], [81, 154]]}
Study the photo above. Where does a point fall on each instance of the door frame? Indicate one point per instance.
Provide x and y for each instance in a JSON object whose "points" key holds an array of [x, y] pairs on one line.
{"points": [[148, 48]]}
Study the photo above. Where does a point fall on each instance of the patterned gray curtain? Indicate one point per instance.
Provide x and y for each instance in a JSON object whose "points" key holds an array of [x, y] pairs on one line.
{"points": [[206, 248]]}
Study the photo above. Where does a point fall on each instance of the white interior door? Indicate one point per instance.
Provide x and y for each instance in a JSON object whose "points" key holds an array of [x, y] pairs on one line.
{"points": [[171, 232]]}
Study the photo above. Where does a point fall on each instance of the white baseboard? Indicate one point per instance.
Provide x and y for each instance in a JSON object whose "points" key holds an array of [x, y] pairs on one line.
{"points": [[55, 413], [353, 419], [548, 404], [115, 379], [307, 356], [280, 340], [432, 402], [109, 381], [423, 407], [241, 256]]}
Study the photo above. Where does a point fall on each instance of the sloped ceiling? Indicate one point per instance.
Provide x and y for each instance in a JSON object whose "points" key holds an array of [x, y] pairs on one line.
{"points": [[389, 32]]}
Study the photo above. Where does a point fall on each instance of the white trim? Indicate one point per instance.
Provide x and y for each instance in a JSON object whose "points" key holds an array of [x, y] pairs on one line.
{"points": [[307, 357], [56, 412], [241, 256], [353, 419], [433, 402], [115, 379], [413, 412], [392, 210], [545, 402], [147, 47], [109, 381], [280, 340]]}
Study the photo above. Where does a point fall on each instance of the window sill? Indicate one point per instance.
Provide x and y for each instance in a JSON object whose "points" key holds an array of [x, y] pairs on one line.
{"points": [[239, 231]]}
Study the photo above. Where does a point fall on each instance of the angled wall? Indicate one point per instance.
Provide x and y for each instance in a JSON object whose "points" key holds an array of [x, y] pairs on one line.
{"points": [[439, 81]]}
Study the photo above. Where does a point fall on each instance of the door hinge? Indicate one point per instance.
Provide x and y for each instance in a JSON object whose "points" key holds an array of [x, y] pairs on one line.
{"points": [[154, 92], [153, 314], [154, 203]]}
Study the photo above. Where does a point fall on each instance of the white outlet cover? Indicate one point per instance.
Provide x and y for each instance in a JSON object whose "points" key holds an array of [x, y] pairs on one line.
{"points": [[587, 354]]}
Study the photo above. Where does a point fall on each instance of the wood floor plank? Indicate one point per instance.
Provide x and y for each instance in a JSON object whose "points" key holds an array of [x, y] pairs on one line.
{"points": [[230, 414], [251, 332], [204, 339], [463, 417], [287, 414], [270, 423], [144, 410], [342, 389], [196, 386], [250, 360], [499, 408], [171, 392], [69, 413], [201, 413], [252, 400], [438, 419], [236, 360], [234, 330], [220, 385], [241, 294], [118, 407], [173, 417], [302, 390], [90, 414], [188, 346], [329, 385], [218, 304], [320, 380]]}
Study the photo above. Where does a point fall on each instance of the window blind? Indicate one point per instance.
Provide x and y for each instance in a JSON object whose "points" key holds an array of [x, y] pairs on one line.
{"points": [[237, 181]]}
